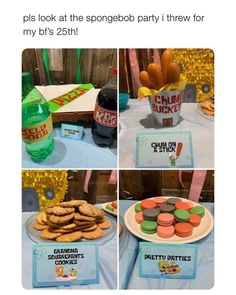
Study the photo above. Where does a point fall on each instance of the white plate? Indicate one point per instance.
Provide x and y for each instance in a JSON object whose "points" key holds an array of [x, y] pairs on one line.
{"points": [[200, 111], [123, 237], [199, 232], [108, 211], [34, 234]]}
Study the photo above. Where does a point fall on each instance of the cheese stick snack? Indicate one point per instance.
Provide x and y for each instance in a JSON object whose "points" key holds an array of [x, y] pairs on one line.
{"points": [[143, 77], [166, 59], [166, 91], [155, 76], [173, 73]]}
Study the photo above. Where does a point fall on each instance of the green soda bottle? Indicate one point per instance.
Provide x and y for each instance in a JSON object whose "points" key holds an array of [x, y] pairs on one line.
{"points": [[37, 126]]}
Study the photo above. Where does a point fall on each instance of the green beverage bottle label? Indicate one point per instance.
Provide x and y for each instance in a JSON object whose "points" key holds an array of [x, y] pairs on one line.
{"points": [[32, 134]]}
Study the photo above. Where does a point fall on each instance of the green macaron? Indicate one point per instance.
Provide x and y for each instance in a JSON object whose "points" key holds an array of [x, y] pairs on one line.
{"points": [[181, 215], [137, 208], [199, 210], [109, 208], [148, 227]]}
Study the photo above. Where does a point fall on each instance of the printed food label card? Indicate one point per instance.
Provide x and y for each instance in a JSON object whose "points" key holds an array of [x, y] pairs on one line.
{"points": [[164, 150], [65, 264], [167, 261]]}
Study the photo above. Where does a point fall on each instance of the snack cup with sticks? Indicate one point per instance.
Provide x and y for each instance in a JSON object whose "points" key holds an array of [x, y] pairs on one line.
{"points": [[165, 103], [164, 86]]}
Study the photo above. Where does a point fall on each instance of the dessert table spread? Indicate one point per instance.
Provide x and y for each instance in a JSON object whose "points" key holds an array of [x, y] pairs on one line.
{"points": [[107, 262], [129, 275], [137, 117]]}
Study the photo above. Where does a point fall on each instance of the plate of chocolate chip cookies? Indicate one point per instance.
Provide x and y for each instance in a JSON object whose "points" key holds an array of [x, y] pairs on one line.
{"points": [[71, 221]]}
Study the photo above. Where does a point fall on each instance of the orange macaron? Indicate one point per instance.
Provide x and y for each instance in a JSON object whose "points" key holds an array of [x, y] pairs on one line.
{"points": [[194, 219], [190, 204], [139, 217], [148, 204], [182, 205], [159, 201], [165, 231], [165, 219], [184, 229]]}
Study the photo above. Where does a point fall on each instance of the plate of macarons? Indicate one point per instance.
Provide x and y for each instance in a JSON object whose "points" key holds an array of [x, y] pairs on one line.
{"points": [[169, 220], [110, 207]]}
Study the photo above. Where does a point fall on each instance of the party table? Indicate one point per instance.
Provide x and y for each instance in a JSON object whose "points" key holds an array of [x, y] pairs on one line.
{"points": [[107, 262], [137, 117], [74, 154], [129, 276]]}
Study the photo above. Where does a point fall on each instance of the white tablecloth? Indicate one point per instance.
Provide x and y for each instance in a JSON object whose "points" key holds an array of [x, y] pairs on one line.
{"points": [[137, 117]]}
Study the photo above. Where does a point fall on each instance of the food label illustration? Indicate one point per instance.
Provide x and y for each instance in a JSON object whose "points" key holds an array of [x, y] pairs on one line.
{"points": [[164, 150], [167, 261], [173, 157], [62, 274], [72, 131], [168, 267], [65, 264]]}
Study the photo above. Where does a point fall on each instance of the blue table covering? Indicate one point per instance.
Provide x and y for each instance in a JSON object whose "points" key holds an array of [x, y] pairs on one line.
{"points": [[107, 262], [70, 153], [137, 118], [128, 265]]}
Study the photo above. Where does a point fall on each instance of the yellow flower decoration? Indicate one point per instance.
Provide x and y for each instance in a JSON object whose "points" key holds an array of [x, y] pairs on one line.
{"points": [[50, 185], [198, 66]]}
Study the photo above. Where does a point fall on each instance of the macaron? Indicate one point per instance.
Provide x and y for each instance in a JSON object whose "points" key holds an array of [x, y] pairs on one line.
{"points": [[159, 201], [109, 208], [148, 227], [182, 205], [199, 210], [181, 215], [190, 204], [183, 229], [167, 208], [137, 207], [194, 219], [114, 204], [165, 219], [139, 217], [172, 201], [151, 214], [165, 231], [148, 204]]}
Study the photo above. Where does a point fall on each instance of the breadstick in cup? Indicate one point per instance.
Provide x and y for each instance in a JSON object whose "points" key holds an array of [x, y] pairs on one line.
{"points": [[155, 76], [173, 73], [166, 59], [143, 76]]}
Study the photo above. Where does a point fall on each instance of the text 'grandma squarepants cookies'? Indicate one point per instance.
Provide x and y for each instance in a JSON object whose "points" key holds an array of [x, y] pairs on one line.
{"points": [[69, 228]]}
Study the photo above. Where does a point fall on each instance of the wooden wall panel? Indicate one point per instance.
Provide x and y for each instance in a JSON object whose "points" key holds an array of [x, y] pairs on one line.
{"points": [[144, 184], [96, 66], [99, 190], [139, 184]]}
